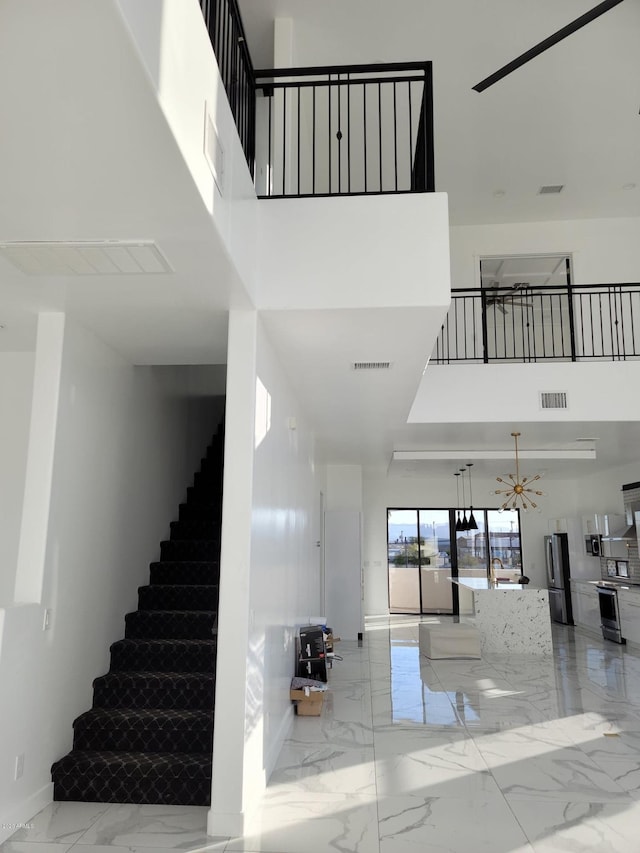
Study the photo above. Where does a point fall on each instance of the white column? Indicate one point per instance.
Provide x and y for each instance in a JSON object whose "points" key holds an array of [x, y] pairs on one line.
{"points": [[227, 813], [40, 458]]}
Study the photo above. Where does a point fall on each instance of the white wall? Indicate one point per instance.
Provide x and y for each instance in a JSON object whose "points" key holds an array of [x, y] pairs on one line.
{"points": [[480, 403], [174, 45], [602, 250], [366, 235], [16, 383], [125, 451], [270, 573]]}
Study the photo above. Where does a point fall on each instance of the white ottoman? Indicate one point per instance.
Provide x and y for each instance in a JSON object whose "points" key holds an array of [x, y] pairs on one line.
{"points": [[453, 640]]}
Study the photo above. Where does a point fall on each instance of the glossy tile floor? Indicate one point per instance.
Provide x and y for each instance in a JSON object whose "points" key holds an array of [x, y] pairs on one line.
{"points": [[502, 755]]}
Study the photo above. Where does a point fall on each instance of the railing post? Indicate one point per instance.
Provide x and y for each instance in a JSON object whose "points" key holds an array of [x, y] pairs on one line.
{"points": [[428, 128], [485, 348], [572, 327]]}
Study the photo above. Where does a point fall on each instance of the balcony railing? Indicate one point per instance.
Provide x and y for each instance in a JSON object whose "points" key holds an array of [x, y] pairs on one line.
{"points": [[335, 130], [229, 43], [345, 130], [535, 324]]}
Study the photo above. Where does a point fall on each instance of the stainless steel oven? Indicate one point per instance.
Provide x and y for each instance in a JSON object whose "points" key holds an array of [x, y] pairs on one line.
{"points": [[610, 614]]}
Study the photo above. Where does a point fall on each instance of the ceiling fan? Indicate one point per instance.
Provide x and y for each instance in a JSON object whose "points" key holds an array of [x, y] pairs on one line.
{"points": [[539, 48], [501, 297]]}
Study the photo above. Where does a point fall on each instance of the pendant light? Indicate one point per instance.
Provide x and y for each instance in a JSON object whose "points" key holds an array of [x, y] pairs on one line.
{"points": [[473, 525], [458, 521], [518, 492], [465, 524]]}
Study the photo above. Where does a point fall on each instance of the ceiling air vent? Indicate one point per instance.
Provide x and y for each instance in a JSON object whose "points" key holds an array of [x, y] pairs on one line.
{"points": [[553, 399], [371, 365], [102, 257], [550, 189]]}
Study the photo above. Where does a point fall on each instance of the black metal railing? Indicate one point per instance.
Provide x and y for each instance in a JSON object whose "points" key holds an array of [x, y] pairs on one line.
{"points": [[535, 324], [229, 43], [344, 130], [334, 130]]}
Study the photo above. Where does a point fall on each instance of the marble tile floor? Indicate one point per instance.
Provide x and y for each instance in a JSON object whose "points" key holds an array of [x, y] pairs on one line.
{"points": [[505, 755]]}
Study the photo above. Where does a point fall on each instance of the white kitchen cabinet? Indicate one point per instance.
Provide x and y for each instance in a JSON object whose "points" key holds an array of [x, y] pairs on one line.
{"points": [[629, 607], [586, 609]]}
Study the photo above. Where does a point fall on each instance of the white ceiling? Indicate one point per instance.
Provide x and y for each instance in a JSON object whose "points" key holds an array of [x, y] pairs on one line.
{"points": [[88, 156], [568, 117]]}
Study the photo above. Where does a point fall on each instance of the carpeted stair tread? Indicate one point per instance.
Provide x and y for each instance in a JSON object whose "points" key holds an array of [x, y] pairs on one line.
{"points": [[208, 481], [104, 776], [204, 511], [177, 690], [163, 655], [171, 624], [144, 730], [178, 597], [200, 572], [189, 549], [196, 529], [204, 495]]}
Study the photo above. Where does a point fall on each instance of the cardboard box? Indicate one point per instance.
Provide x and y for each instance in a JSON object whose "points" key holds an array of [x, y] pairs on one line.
{"points": [[309, 709], [307, 706]]}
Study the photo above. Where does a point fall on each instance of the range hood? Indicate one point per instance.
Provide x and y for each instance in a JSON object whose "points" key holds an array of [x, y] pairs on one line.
{"points": [[628, 531]]}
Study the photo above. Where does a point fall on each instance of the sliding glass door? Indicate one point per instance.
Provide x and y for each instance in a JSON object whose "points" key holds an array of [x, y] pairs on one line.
{"points": [[422, 556], [419, 561]]}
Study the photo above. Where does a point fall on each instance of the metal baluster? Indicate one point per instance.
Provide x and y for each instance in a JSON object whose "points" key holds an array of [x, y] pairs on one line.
{"points": [[329, 134], [284, 137], [298, 140], [348, 133], [364, 125], [313, 143], [410, 138], [380, 131], [395, 137]]}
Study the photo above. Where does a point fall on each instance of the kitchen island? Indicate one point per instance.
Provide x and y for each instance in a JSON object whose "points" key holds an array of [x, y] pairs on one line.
{"points": [[511, 618]]}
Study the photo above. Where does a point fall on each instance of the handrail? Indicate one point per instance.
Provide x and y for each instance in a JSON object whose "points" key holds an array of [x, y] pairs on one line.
{"points": [[541, 323], [326, 130]]}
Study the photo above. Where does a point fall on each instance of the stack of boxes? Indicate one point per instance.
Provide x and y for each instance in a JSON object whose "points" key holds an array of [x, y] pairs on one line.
{"points": [[311, 664]]}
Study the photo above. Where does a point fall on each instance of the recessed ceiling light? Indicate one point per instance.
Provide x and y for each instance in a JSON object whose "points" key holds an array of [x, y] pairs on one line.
{"points": [[587, 439], [498, 193], [630, 186]]}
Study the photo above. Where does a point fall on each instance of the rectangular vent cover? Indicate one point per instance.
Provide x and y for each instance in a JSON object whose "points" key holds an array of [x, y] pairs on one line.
{"points": [[103, 257], [553, 399], [371, 365], [551, 189]]}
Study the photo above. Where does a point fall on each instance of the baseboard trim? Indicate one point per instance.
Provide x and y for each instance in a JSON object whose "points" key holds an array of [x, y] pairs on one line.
{"points": [[22, 813]]}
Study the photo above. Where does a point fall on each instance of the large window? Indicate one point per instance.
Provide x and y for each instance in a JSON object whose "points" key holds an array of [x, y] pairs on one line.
{"points": [[422, 555]]}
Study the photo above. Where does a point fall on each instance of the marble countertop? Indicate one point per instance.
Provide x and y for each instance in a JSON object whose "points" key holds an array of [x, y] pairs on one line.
{"points": [[484, 583]]}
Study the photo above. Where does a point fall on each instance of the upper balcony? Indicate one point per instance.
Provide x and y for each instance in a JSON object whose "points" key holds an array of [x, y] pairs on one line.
{"points": [[325, 131], [534, 324]]}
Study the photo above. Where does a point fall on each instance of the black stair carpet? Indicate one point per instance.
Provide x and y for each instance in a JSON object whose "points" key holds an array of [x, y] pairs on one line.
{"points": [[148, 737]]}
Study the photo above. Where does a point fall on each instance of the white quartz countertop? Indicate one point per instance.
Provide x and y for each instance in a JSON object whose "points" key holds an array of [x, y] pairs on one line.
{"points": [[484, 583]]}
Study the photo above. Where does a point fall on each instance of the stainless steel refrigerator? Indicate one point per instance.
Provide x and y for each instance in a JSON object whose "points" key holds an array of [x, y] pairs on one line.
{"points": [[556, 551]]}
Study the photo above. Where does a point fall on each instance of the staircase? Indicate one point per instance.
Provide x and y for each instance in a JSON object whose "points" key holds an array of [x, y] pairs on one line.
{"points": [[148, 737]]}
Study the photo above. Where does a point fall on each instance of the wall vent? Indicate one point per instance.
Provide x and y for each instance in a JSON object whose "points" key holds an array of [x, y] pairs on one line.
{"points": [[551, 189], [553, 400], [371, 365]]}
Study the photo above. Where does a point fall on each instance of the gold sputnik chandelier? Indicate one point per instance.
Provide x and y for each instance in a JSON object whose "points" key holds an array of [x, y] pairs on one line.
{"points": [[518, 492]]}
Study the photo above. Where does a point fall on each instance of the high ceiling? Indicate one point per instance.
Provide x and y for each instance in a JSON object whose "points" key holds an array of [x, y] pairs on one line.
{"points": [[90, 157], [569, 117]]}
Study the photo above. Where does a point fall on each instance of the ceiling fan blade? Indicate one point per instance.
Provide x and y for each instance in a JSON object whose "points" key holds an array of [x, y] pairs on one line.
{"points": [[539, 48]]}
